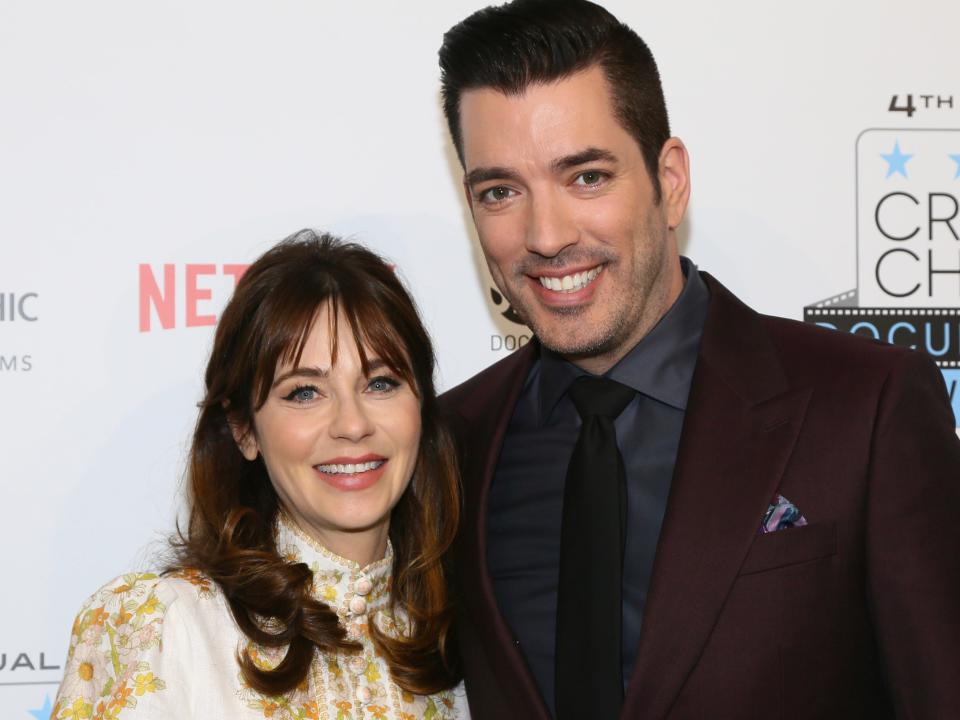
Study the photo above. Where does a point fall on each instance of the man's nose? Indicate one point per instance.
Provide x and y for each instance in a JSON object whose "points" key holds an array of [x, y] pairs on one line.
{"points": [[351, 420], [550, 228]]}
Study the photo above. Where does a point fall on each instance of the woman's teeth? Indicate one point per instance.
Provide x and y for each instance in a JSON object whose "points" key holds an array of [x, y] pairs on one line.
{"points": [[570, 283], [351, 469]]}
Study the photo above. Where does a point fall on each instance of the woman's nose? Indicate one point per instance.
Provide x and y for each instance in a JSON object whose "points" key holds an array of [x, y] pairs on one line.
{"points": [[351, 419]]}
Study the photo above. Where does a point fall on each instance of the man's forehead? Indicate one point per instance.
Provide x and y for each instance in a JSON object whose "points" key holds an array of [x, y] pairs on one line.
{"points": [[550, 120]]}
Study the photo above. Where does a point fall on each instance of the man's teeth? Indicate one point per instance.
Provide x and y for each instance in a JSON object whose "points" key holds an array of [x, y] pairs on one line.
{"points": [[351, 469], [570, 283]]}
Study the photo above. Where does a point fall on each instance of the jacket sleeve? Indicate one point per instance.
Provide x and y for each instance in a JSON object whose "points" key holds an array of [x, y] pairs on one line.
{"points": [[913, 541], [120, 664]]}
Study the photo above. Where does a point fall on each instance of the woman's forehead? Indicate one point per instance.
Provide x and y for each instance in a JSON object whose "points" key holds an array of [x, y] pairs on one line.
{"points": [[329, 341]]}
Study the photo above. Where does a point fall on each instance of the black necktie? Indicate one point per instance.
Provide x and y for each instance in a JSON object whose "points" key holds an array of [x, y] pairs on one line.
{"points": [[589, 676]]}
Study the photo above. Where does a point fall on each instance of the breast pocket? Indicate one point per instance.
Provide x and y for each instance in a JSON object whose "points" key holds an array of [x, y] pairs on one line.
{"points": [[791, 547]]}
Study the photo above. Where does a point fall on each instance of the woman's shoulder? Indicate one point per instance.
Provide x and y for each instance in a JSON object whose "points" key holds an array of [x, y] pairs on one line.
{"points": [[117, 659], [148, 595]]}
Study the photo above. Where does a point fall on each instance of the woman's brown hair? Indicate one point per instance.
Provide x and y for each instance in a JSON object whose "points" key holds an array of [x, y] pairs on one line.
{"points": [[233, 508]]}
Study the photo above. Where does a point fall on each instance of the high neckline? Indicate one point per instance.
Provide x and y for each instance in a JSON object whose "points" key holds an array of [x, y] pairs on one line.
{"points": [[288, 532]]}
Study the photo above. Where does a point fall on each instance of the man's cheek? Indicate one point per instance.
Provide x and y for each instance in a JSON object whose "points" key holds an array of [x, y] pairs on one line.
{"points": [[498, 255]]}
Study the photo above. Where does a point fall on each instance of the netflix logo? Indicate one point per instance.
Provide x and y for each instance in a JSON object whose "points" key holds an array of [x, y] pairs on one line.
{"points": [[176, 295]]}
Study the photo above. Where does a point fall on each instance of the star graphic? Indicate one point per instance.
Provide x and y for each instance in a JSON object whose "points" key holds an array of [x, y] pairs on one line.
{"points": [[956, 159], [44, 712], [896, 161]]}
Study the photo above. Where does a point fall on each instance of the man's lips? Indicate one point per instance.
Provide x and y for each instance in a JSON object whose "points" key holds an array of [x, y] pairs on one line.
{"points": [[570, 280], [570, 286]]}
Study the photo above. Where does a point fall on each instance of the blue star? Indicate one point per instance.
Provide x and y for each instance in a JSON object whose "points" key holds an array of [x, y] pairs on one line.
{"points": [[956, 159], [896, 161], [45, 712]]}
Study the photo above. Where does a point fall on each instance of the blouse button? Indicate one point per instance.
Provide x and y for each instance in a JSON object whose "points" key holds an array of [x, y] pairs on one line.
{"points": [[363, 694], [363, 586], [358, 606], [358, 664]]}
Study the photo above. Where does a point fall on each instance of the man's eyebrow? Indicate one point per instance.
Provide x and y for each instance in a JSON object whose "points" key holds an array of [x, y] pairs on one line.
{"points": [[307, 372], [591, 154], [483, 174], [496, 172]]}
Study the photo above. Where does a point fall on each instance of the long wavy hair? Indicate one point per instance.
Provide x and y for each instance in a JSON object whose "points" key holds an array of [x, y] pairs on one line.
{"points": [[233, 507]]}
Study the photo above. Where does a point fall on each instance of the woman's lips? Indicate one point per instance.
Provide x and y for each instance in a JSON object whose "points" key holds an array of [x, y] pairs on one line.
{"points": [[351, 473]]}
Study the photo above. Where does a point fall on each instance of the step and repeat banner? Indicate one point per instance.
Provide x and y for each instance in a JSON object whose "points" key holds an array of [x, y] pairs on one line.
{"points": [[150, 151]]}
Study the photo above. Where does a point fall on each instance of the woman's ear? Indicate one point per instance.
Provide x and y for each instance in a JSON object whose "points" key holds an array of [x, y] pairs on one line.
{"points": [[245, 438]]}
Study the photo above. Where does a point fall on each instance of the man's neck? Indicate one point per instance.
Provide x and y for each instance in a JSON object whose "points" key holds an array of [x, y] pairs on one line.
{"points": [[653, 313]]}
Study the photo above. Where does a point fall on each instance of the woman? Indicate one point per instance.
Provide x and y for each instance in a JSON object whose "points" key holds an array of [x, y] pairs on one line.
{"points": [[309, 582]]}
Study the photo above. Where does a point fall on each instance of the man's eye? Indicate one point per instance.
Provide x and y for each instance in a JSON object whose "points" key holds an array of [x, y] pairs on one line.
{"points": [[495, 195], [302, 394], [383, 384], [590, 178]]}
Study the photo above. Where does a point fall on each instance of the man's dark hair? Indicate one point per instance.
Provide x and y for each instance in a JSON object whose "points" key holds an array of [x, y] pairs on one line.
{"points": [[512, 46]]}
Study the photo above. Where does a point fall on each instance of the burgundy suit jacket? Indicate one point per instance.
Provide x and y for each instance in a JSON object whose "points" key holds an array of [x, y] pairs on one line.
{"points": [[855, 615]]}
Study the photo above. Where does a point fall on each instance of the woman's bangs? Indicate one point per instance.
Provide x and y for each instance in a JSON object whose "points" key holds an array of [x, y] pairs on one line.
{"points": [[284, 329], [374, 332]]}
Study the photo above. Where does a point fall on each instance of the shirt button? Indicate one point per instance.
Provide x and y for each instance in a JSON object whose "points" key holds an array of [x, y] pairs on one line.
{"points": [[358, 664], [358, 606], [363, 586], [364, 694]]}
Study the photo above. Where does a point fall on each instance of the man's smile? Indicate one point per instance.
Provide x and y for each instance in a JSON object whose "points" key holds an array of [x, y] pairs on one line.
{"points": [[569, 283]]}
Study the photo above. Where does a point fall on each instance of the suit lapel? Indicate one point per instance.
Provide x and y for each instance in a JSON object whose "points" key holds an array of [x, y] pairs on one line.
{"points": [[486, 415], [740, 427]]}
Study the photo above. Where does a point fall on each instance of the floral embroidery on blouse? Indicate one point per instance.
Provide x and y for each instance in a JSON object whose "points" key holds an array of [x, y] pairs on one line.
{"points": [[105, 670], [124, 662]]}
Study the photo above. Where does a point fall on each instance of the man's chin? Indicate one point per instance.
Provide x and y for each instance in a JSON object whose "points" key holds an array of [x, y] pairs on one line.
{"points": [[574, 345]]}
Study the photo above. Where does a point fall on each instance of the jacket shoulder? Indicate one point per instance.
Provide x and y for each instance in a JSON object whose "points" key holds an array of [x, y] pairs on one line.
{"points": [[805, 348], [476, 392]]}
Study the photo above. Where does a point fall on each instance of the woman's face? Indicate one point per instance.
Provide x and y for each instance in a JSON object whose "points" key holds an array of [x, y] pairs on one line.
{"points": [[339, 445]]}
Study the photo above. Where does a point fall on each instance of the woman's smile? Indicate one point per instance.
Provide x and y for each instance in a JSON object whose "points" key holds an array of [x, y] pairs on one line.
{"points": [[352, 473]]}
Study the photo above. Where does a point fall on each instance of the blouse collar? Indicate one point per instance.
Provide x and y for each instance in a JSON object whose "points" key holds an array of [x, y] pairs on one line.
{"points": [[338, 581]]}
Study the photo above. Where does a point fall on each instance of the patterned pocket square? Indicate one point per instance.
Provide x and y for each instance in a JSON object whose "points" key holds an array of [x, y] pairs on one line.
{"points": [[781, 514]]}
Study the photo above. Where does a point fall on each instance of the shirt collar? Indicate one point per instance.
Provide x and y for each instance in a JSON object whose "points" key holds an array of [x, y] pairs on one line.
{"points": [[660, 366]]}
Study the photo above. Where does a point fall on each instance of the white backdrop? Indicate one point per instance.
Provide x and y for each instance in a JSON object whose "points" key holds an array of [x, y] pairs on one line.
{"points": [[135, 135]]}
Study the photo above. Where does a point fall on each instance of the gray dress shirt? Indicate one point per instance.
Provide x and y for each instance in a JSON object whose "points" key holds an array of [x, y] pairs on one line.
{"points": [[526, 499]]}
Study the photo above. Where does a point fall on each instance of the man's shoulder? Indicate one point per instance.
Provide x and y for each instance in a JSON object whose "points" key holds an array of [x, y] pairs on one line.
{"points": [[492, 381], [806, 346], [807, 351]]}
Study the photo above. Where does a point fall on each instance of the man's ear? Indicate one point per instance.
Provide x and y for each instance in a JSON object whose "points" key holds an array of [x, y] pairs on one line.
{"points": [[674, 176], [245, 438]]}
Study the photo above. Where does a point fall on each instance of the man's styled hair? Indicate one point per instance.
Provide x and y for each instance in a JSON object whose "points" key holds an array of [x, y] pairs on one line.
{"points": [[512, 46]]}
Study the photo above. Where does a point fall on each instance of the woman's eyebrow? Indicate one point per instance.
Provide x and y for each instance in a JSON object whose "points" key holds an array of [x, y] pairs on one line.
{"points": [[311, 372], [374, 364]]}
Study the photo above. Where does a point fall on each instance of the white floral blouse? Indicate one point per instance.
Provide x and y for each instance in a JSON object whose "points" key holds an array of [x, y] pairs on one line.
{"points": [[145, 646]]}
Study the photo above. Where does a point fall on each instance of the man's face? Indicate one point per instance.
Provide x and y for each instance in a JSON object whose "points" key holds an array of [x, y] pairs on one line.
{"points": [[564, 208]]}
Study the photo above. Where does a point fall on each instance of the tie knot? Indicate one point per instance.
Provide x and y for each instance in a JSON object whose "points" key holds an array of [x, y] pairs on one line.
{"points": [[600, 396]]}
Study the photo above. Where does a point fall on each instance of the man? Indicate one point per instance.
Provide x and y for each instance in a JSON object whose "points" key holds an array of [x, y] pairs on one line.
{"points": [[675, 507]]}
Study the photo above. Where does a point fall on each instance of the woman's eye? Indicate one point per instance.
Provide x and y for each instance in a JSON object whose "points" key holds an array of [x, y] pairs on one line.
{"points": [[590, 178], [383, 384], [495, 195], [302, 394]]}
